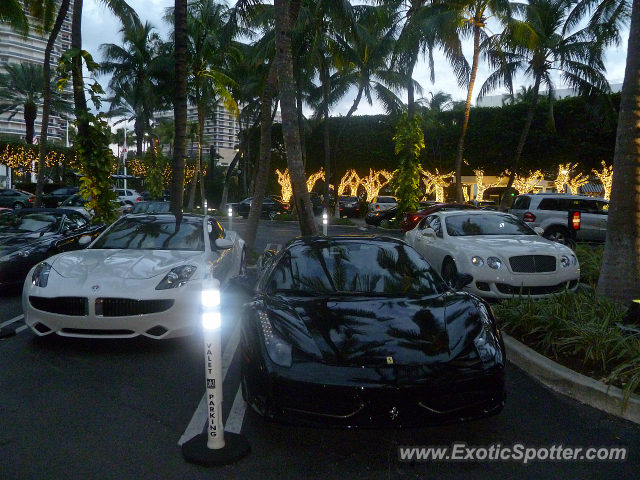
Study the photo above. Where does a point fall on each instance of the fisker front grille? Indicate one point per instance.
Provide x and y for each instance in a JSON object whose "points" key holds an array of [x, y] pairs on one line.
{"points": [[533, 263], [124, 307], [72, 306]]}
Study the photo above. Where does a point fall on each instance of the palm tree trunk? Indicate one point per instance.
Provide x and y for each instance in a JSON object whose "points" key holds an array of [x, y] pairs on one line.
{"points": [[264, 161], [619, 276], [523, 138], [179, 107], [467, 110], [196, 173], [30, 115], [291, 133], [79, 98], [46, 99]]}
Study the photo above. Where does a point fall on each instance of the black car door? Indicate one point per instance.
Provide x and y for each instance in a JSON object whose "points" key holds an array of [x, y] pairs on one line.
{"points": [[74, 226]]}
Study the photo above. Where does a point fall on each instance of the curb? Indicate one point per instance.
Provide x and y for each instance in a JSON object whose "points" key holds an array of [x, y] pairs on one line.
{"points": [[572, 384]]}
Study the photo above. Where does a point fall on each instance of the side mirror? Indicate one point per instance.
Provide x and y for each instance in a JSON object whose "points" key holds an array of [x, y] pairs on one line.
{"points": [[538, 230], [428, 232], [84, 240], [461, 280], [223, 243], [265, 259]]}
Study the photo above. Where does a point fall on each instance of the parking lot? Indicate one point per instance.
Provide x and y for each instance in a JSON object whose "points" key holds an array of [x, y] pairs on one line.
{"points": [[120, 409]]}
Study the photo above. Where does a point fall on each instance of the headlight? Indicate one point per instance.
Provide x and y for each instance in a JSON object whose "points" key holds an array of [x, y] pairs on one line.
{"points": [[279, 351], [40, 276], [486, 343], [574, 260], [565, 262], [177, 277], [494, 262], [477, 261]]}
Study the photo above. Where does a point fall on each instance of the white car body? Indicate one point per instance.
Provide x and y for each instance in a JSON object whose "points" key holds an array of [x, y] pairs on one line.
{"points": [[111, 292], [528, 263]]}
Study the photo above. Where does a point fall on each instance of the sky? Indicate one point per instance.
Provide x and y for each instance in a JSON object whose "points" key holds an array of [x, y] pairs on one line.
{"points": [[101, 26]]}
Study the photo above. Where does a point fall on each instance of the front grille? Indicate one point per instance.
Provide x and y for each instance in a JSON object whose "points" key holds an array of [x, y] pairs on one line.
{"points": [[72, 306], [533, 263], [124, 307], [543, 290]]}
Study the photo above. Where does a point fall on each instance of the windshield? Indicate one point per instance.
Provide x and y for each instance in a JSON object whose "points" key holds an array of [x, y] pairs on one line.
{"points": [[347, 267], [30, 222], [153, 233], [497, 224]]}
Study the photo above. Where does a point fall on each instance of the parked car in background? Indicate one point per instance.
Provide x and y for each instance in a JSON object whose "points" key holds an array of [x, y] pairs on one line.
{"points": [[270, 208], [146, 196], [142, 276], [550, 211], [363, 332], [349, 206], [78, 203], [382, 203], [411, 219], [504, 255], [29, 236], [59, 195], [16, 199], [128, 196], [316, 201], [381, 218]]}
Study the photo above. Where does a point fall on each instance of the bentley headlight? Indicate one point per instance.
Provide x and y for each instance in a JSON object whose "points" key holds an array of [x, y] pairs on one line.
{"points": [[176, 277], [494, 262], [279, 351], [574, 260], [565, 262], [477, 261], [40, 276]]}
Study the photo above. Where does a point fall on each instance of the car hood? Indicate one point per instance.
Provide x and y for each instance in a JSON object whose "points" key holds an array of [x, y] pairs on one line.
{"points": [[13, 241], [508, 245], [125, 264], [376, 331]]}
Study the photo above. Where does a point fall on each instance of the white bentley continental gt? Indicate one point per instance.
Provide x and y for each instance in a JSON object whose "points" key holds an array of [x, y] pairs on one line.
{"points": [[502, 253], [141, 276]]}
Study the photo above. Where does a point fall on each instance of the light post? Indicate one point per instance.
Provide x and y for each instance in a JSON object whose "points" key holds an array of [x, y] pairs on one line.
{"points": [[325, 221], [212, 448]]}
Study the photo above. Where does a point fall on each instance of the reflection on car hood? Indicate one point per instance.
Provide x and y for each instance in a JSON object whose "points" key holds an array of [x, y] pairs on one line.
{"points": [[125, 264], [375, 331], [13, 241], [510, 244]]}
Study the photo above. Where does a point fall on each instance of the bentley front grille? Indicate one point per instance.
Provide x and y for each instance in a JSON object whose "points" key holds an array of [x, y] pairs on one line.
{"points": [[125, 307], [533, 263], [72, 306]]}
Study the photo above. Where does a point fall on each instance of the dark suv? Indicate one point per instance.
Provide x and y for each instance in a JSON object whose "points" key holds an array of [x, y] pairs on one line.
{"points": [[550, 211]]}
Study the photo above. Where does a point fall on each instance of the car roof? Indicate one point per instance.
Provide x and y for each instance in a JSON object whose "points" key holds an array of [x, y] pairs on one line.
{"points": [[45, 210]]}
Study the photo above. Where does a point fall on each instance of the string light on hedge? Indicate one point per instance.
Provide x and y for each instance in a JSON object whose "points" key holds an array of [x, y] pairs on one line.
{"points": [[350, 180], [373, 183], [285, 183], [439, 183], [526, 184]]}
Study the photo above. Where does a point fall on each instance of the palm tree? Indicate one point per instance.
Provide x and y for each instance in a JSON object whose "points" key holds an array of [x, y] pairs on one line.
{"points": [[619, 278], [472, 15], [21, 90], [11, 12], [536, 46], [132, 83]]}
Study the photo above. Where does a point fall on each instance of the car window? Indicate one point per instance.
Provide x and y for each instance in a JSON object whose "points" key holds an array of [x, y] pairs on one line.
{"points": [[548, 204], [30, 222], [602, 207], [59, 191], [354, 267], [77, 219], [434, 222], [152, 233], [468, 225]]}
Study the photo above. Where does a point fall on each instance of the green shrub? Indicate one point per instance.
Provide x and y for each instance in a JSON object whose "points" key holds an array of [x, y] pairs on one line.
{"points": [[590, 258]]}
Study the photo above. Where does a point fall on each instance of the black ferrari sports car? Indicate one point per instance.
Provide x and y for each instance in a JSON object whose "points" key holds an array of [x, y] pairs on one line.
{"points": [[361, 331], [28, 236]]}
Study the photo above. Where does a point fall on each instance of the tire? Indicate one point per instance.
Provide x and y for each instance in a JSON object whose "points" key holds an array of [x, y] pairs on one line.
{"points": [[243, 262], [558, 234], [384, 223], [272, 214], [17, 205], [449, 271]]}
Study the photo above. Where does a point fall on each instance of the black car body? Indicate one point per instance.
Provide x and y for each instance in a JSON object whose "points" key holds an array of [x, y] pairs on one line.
{"points": [[270, 208], [59, 195], [381, 218], [361, 331], [27, 237]]}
